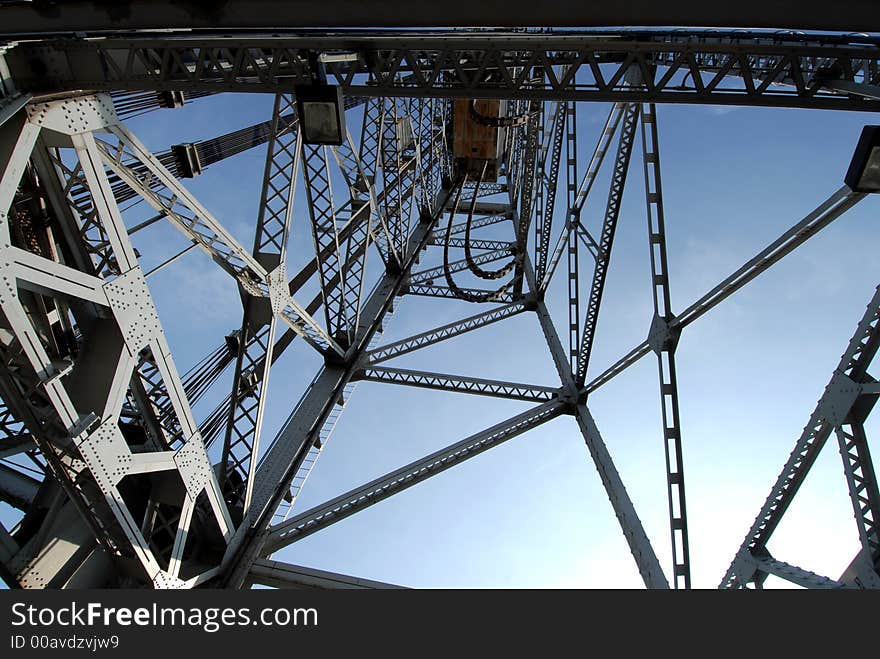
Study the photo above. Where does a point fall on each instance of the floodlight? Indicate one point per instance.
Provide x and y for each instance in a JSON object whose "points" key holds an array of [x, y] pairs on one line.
{"points": [[863, 174], [321, 113]]}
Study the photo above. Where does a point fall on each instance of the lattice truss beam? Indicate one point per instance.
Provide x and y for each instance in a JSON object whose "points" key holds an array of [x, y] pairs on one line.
{"points": [[92, 399], [155, 400], [718, 68], [848, 399], [79, 425]]}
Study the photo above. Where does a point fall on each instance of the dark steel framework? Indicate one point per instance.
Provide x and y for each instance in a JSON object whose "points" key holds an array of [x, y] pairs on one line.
{"points": [[99, 444]]}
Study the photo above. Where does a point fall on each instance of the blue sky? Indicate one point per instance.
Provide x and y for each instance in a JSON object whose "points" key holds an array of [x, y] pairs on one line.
{"points": [[532, 512]]}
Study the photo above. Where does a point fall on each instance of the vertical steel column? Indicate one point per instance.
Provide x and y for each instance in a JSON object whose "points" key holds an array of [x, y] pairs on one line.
{"points": [[541, 178], [371, 132], [606, 240], [530, 156], [390, 148], [572, 218], [350, 274], [257, 336], [558, 126], [664, 341], [583, 191], [319, 193]]}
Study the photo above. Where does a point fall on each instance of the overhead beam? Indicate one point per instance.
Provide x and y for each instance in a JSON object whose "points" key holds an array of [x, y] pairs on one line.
{"points": [[278, 64], [82, 16]]}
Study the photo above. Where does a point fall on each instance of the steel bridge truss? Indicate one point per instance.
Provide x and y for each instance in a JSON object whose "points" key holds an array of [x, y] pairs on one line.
{"points": [[98, 440]]}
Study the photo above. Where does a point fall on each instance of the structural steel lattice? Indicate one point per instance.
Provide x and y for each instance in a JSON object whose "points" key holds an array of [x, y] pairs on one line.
{"points": [[122, 486]]}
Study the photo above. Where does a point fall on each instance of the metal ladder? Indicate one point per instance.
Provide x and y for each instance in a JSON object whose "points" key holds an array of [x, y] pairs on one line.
{"points": [[315, 450]]}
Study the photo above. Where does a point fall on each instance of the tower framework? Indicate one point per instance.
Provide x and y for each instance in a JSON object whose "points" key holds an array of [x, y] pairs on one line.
{"points": [[119, 482]]}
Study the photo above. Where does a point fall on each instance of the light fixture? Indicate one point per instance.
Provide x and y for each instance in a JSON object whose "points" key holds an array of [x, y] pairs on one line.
{"points": [[321, 113], [863, 174]]}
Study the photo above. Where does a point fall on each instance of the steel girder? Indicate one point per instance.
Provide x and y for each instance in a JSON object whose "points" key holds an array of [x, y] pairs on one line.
{"points": [[200, 226], [577, 198], [609, 225], [291, 446], [862, 481], [278, 574], [720, 68], [393, 129], [442, 333], [841, 409], [630, 524], [458, 383], [528, 183], [766, 564], [664, 342], [18, 489], [80, 16], [824, 214], [354, 233], [358, 499], [547, 180], [569, 239], [82, 435], [259, 325], [486, 295], [100, 243], [637, 539], [474, 244], [427, 277], [325, 231], [213, 150], [273, 228], [478, 223], [296, 448]]}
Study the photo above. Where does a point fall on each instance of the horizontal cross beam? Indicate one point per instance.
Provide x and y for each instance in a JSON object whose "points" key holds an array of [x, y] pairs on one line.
{"points": [[322, 516], [418, 341], [724, 68], [458, 384], [425, 290]]}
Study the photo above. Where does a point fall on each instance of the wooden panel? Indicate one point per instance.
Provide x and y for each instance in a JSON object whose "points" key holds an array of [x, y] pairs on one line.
{"points": [[474, 143]]}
